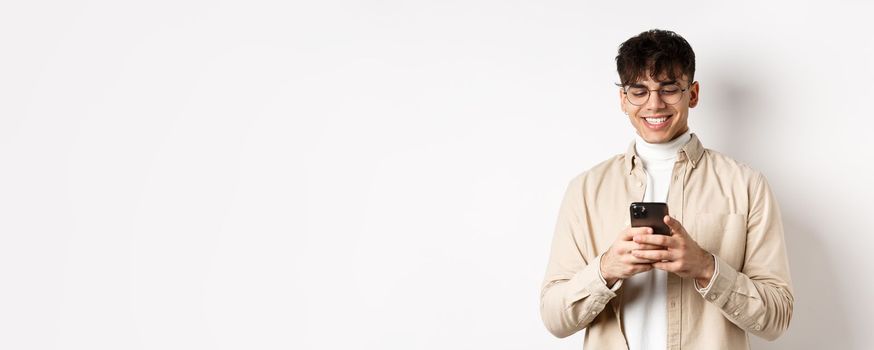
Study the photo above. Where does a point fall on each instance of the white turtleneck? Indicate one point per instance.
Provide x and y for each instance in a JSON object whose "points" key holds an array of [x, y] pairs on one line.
{"points": [[644, 298]]}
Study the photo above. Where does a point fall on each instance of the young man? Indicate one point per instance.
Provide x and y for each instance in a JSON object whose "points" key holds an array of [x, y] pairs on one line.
{"points": [[722, 272]]}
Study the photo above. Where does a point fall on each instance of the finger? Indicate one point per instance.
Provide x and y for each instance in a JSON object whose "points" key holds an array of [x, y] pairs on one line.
{"points": [[642, 230], [630, 232], [640, 261], [626, 234], [627, 247], [654, 255], [676, 226], [636, 231], [659, 240], [638, 246], [664, 266], [638, 268], [631, 259]]}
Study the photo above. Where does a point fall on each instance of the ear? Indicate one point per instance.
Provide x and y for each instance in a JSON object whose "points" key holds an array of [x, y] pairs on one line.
{"points": [[693, 94], [622, 101]]}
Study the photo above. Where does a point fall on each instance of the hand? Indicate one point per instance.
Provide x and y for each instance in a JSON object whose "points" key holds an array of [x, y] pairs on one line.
{"points": [[683, 256], [618, 263]]}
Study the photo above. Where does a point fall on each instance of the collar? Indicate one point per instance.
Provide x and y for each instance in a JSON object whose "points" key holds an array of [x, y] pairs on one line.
{"points": [[692, 150]]}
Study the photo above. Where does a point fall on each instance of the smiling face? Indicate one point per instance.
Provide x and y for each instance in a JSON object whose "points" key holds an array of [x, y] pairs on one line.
{"points": [[655, 120]]}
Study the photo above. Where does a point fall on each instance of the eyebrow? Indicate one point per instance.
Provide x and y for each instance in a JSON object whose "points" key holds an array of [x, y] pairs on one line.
{"points": [[639, 85]]}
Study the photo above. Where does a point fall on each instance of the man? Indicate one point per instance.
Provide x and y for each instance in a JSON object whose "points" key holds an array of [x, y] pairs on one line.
{"points": [[722, 272]]}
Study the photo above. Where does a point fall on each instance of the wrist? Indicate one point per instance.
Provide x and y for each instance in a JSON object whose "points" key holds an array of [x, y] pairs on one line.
{"points": [[608, 280], [707, 272]]}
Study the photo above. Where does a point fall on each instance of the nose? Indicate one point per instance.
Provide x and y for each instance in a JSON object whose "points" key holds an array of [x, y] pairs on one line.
{"points": [[655, 101]]}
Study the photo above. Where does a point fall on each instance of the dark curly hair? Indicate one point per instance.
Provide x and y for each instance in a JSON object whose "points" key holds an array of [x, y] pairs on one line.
{"points": [[660, 51]]}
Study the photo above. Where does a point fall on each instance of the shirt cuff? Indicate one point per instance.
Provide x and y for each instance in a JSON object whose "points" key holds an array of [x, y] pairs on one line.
{"points": [[598, 266], [704, 290]]}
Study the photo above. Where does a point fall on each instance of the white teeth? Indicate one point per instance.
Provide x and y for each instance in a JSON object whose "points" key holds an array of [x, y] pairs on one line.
{"points": [[656, 120]]}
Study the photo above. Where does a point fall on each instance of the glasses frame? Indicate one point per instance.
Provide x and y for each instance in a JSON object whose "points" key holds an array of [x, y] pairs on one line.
{"points": [[649, 94]]}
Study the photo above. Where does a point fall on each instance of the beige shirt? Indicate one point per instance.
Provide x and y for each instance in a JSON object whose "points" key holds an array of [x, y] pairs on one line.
{"points": [[730, 211]]}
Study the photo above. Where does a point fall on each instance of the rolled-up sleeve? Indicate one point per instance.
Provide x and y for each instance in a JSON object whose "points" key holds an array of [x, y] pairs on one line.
{"points": [[573, 293], [758, 298]]}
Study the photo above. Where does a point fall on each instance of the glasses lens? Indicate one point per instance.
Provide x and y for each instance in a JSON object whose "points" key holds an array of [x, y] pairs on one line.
{"points": [[671, 94], [637, 96]]}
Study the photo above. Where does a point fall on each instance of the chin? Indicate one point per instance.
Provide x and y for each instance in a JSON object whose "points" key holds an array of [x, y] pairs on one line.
{"points": [[657, 138]]}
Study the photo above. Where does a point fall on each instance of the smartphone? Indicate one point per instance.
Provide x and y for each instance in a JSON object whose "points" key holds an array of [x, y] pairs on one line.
{"points": [[650, 214]]}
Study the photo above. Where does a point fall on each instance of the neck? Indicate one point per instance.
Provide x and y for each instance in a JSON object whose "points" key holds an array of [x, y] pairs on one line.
{"points": [[660, 151]]}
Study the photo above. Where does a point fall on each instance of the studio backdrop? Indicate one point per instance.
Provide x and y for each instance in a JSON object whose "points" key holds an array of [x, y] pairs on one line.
{"points": [[387, 174]]}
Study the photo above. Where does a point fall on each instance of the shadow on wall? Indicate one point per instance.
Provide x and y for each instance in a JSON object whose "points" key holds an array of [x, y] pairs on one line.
{"points": [[819, 319]]}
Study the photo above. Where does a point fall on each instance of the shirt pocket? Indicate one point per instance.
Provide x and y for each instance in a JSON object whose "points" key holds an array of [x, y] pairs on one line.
{"points": [[723, 234]]}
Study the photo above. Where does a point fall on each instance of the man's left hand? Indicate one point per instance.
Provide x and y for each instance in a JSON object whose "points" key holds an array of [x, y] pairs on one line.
{"points": [[681, 255]]}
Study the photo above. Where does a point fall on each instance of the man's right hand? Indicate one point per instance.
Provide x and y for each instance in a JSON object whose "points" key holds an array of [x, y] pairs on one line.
{"points": [[618, 263]]}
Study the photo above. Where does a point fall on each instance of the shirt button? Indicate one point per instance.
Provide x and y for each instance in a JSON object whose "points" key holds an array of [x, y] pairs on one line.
{"points": [[594, 312], [737, 313], [712, 296], [758, 327], [639, 184]]}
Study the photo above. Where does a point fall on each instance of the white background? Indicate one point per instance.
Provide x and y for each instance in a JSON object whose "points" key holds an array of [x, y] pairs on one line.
{"points": [[386, 174]]}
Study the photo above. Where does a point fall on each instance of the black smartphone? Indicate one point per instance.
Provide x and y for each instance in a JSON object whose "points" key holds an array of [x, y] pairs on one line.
{"points": [[650, 214]]}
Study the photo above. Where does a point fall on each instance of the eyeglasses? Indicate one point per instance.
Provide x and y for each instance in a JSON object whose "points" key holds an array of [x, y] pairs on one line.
{"points": [[638, 96]]}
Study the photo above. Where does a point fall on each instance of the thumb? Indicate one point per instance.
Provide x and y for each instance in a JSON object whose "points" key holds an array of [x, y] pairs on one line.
{"points": [[675, 225]]}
